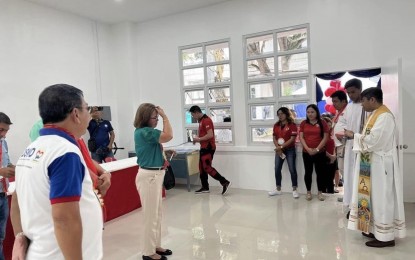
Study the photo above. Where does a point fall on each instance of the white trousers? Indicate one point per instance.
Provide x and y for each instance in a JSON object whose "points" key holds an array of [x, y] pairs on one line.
{"points": [[149, 185]]}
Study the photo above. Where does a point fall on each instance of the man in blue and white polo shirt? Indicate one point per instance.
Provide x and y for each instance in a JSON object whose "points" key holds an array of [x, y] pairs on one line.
{"points": [[54, 205]]}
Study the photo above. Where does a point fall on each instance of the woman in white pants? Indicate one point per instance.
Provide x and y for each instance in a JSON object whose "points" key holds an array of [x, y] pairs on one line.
{"points": [[150, 175]]}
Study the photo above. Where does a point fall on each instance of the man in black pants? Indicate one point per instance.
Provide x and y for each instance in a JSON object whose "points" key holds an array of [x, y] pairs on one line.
{"points": [[206, 139]]}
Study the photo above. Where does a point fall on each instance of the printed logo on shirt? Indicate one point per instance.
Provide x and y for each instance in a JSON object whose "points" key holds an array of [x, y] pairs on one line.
{"points": [[39, 154], [28, 153]]}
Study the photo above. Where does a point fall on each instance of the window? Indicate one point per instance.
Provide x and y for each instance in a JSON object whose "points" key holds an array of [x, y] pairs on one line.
{"points": [[206, 82], [276, 74]]}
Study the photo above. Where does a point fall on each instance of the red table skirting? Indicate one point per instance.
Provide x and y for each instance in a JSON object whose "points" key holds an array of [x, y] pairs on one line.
{"points": [[9, 239], [121, 198]]}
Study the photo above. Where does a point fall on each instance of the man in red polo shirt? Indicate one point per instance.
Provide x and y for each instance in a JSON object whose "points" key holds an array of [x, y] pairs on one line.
{"points": [[206, 139]]}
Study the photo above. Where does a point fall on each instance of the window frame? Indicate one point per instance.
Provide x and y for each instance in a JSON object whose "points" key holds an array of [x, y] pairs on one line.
{"points": [[277, 99], [207, 106]]}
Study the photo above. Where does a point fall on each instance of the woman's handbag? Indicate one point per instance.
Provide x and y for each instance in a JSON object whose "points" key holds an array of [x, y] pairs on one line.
{"points": [[169, 180]]}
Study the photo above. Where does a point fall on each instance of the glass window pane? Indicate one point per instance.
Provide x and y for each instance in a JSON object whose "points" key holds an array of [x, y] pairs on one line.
{"points": [[297, 109], [193, 77], [262, 112], [217, 52], [259, 45], [219, 95], [218, 73], [191, 133], [292, 40], [261, 68], [293, 63], [293, 87], [189, 119], [219, 114], [192, 56], [262, 134], [223, 135], [194, 97], [261, 90]]}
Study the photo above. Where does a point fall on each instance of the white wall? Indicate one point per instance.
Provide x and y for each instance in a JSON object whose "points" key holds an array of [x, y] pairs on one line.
{"points": [[344, 35], [40, 46], [126, 64]]}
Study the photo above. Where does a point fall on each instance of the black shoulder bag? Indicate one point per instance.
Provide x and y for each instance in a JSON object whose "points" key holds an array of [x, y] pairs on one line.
{"points": [[92, 144], [169, 180]]}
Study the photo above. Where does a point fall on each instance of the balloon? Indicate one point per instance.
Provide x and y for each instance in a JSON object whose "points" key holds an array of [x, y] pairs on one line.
{"points": [[335, 84], [330, 108], [329, 101], [329, 91]]}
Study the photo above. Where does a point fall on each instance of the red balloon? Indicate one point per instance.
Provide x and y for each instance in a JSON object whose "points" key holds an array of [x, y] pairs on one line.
{"points": [[335, 84], [330, 108], [329, 91]]}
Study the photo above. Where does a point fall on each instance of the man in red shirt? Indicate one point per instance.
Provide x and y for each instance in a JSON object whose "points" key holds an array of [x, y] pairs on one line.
{"points": [[206, 138]]}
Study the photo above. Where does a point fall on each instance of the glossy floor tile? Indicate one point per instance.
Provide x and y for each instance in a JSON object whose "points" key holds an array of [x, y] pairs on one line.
{"points": [[250, 225]]}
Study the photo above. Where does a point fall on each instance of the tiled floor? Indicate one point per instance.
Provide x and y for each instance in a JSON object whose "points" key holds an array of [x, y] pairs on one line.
{"points": [[249, 225]]}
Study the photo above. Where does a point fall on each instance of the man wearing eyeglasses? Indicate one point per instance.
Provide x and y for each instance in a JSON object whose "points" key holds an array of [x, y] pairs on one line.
{"points": [[54, 205], [6, 171], [102, 132]]}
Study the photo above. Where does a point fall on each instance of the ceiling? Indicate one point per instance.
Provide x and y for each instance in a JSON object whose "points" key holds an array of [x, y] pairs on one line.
{"points": [[115, 11]]}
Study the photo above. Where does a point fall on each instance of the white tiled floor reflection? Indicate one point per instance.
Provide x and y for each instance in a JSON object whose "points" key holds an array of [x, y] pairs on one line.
{"points": [[249, 225]]}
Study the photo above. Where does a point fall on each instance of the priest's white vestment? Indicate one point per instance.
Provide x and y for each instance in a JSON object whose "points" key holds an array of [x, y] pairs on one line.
{"points": [[386, 195], [350, 120]]}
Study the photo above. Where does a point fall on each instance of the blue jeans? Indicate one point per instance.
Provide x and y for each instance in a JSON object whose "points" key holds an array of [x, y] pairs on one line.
{"points": [[290, 154], [4, 214]]}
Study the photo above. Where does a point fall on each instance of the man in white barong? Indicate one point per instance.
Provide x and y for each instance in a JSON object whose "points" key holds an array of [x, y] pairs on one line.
{"points": [[352, 119], [377, 203]]}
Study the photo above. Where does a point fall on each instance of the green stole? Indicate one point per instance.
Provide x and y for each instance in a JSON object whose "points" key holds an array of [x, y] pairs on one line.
{"points": [[364, 203]]}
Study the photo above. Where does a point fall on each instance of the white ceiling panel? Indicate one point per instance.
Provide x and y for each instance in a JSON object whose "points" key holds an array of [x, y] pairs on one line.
{"points": [[115, 11]]}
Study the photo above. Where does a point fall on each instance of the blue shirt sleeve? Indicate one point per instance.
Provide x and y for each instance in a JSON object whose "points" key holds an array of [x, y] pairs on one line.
{"points": [[66, 174], [109, 126]]}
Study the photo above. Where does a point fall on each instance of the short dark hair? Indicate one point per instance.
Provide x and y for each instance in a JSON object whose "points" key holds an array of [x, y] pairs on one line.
{"points": [[57, 101], [357, 83], [341, 95], [96, 108], [5, 119], [195, 109], [373, 92], [143, 115]]}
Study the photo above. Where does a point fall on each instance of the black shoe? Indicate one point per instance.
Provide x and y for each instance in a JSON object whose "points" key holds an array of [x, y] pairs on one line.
{"points": [[348, 215], [226, 187], [165, 252], [146, 257], [377, 243], [202, 190], [341, 183], [370, 235]]}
